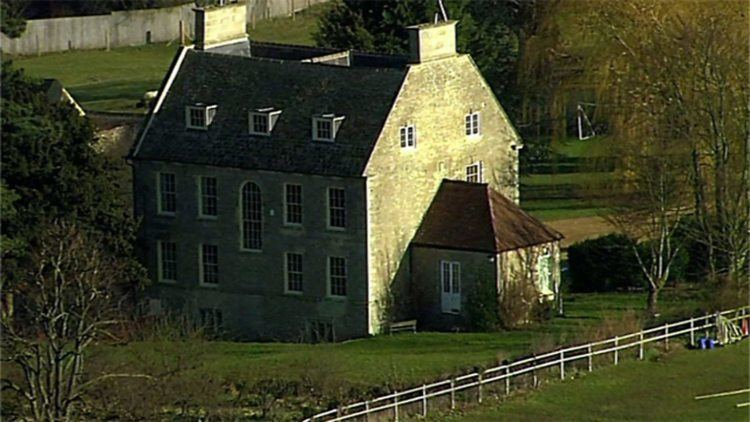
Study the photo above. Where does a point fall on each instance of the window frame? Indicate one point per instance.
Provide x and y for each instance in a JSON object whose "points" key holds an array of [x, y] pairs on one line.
{"points": [[473, 124], [479, 174], [329, 277], [208, 113], [403, 134], [244, 220], [202, 265], [160, 194], [202, 198], [160, 262], [333, 120], [271, 116], [288, 273], [287, 205], [330, 209]]}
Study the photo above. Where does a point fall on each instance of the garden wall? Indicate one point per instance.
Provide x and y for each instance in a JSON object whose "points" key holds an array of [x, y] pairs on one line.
{"points": [[127, 28]]}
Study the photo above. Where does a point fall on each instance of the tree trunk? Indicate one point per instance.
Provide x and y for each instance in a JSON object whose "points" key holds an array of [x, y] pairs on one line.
{"points": [[653, 297]]}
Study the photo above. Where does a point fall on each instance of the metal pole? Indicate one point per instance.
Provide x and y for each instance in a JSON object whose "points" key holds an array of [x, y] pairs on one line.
{"points": [[562, 364], [591, 358], [424, 400], [617, 354], [640, 346], [453, 394], [692, 332]]}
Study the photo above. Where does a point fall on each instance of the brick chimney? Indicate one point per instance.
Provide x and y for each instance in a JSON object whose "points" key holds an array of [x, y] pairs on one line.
{"points": [[217, 24], [432, 41]]}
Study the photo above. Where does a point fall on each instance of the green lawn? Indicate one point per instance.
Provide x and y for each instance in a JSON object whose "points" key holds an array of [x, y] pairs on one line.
{"points": [[558, 209], [346, 371], [116, 80], [661, 389]]}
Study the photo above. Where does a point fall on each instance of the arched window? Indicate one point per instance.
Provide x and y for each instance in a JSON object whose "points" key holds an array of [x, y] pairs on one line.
{"points": [[252, 217]]}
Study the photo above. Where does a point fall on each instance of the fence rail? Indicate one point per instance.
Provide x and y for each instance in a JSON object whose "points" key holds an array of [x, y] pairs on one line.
{"points": [[558, 358]]}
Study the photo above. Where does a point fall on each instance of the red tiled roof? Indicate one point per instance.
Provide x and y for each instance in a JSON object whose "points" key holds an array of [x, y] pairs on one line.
{"points": [[473, 216]]}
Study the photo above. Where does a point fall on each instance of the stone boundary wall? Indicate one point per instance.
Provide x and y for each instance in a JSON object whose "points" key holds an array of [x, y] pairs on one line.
{"points": [[128, 28]]}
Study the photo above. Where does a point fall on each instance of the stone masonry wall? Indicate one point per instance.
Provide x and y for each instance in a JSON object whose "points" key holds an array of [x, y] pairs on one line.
{"points": [[401, 183], [250, 292]]}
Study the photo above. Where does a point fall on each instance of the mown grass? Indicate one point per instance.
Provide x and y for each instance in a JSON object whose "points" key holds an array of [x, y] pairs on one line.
{"points": [[116, 80], [558, 209], [405, 359], [662, 389]]}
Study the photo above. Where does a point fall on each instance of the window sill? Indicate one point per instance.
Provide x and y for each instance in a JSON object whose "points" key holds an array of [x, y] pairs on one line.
{"points": [[296, 226], [168, 282], [474, 137], [336, 298], [208, 217], [293, 293], [208, 285], [166, 214], [336, 229], [243, 250]]}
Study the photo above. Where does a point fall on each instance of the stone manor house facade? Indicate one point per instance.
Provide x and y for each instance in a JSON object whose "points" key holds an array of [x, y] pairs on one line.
{"points": [[301, 193]]}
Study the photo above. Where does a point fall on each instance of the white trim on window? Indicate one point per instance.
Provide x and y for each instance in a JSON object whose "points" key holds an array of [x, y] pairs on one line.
{"points": [[166, 199], [339, 207], [473, 124], [325, 127], [475, 172], [408, 136], [199, 116], [296, 271], [202, 265], [160, 261], [206, 196], [293, 211], [342, 277], [261, 122]]}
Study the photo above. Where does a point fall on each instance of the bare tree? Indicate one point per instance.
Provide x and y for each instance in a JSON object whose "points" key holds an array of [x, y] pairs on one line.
{"points": [[70, 301]]}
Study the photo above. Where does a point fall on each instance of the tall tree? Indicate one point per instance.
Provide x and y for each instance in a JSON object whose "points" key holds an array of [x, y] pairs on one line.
{"points": [[489, 30], [49, 162]]}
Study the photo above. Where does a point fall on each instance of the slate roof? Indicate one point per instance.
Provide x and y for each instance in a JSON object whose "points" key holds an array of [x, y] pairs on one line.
{"points": [[475, 217], [240, 84]]}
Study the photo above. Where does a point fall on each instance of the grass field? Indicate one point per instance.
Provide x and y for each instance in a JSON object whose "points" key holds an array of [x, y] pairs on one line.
{"points": [[401, 360], [661, 389], [116, 80]]}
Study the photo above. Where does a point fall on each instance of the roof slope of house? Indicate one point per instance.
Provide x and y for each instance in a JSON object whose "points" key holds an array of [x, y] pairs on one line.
{"points": [[475, 217], [238, 84]]}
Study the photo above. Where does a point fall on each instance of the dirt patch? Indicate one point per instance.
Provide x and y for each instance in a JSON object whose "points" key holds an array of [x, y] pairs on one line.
{"points": [[581, 228]]}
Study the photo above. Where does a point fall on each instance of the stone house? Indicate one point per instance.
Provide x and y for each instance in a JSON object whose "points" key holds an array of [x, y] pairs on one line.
{"points": [[291, 192]]}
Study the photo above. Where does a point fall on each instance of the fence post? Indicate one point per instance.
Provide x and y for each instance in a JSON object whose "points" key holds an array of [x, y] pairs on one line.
{"points": [[507, 380], [666, 336], [591, 358], [453, 394], [640, 345], [562, 364], [533, 372], [479, 387], [705, 329], [395, 406], [367, 410], [692, 332], [617, 352], [424, 400]]}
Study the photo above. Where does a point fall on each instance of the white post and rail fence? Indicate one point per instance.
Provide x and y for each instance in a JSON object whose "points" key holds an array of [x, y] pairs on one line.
{"points": [[416, 401]]}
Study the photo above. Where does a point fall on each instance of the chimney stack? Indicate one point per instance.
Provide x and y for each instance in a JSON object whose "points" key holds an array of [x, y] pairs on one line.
{"points": [[217, 24], [432, 41]]}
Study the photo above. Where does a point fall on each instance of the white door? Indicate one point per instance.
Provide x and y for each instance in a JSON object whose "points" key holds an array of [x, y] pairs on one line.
{"points": [[450, 281]]}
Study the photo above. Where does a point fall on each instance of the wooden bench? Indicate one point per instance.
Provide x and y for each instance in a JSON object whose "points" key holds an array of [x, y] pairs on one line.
{"points": [[397, 327]]}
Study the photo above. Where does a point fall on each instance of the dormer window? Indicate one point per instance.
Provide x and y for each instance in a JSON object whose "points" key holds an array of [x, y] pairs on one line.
{"points": [[472, 124], [199, 116], [325, 127], [262, 121]]}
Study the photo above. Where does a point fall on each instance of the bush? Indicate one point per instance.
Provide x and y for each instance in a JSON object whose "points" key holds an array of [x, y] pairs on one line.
{"points": [[604, 264]]}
